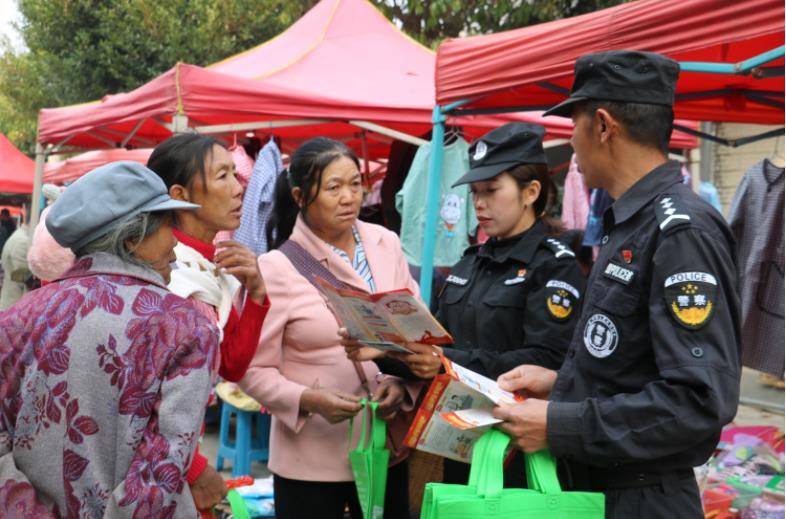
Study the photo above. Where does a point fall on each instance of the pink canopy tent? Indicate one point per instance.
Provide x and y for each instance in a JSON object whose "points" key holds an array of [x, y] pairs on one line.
{"points": [[16, 169], [75, 167], [359, 79], [341, 69]]}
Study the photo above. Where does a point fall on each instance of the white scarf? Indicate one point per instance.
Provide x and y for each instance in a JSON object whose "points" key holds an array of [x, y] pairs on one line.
{"points": [[195, 276]]}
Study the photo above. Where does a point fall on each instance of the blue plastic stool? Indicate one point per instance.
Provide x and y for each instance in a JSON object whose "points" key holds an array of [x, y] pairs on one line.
{"points": [[247, 447]]}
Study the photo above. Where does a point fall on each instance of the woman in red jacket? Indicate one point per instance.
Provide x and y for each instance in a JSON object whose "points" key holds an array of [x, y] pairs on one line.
{"points": [[198, 169]]}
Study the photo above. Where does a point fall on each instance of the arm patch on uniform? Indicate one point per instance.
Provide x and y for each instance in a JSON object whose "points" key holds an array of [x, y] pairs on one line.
{"points": [[561, 299], [670, 213], [691, 298]]}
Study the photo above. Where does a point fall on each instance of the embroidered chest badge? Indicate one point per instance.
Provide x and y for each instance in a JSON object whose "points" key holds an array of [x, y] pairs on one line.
{"points": [[521, 277], [600, 336], [515, 281], [455, 280], [691, 298], [480, 150], [627, 256], [619, 273], [561, 299]]}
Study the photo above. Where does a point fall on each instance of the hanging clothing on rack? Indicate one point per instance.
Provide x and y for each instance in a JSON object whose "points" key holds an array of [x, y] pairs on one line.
{"points": [[756, 219], [600, 200], [243, 168], [258, 199], [575, 198], [456, 221], [244, 165], [709, 193], [399, 162], [687, 179]]}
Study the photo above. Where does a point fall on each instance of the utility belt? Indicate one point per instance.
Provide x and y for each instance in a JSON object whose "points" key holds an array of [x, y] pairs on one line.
{"points": [[576, 476]]}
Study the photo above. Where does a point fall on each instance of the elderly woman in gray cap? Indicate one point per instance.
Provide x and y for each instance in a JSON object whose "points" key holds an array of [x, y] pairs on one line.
{"points": [[104, 374]]}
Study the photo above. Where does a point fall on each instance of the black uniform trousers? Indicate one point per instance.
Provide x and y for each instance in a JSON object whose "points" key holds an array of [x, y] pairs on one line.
{"points": [[296, 499], [636, 493], [672, 499]]}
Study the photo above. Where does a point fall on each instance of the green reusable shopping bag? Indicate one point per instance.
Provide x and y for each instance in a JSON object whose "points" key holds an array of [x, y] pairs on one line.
{"points": [[239, 508], [369, 462], [485, 497]]}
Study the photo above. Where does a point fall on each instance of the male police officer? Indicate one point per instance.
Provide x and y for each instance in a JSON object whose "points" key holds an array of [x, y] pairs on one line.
{"points": [[653, 371]]}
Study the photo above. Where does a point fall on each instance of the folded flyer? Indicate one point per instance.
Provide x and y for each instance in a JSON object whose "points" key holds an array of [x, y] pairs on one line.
{"points": [[455, 412], [385, 320]]}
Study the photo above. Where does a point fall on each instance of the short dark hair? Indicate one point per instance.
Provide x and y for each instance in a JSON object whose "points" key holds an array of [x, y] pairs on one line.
{"points": [[305, 171], [180, 158], [646, 124]]}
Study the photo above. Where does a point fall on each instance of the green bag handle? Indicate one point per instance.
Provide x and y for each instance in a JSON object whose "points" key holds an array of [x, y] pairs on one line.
{"points": [[378, 427], [486, 472], [238, 506], [479, 457]]}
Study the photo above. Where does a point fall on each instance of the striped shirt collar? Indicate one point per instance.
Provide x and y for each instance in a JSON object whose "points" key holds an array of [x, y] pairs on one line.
{"points": [[359, 263]]}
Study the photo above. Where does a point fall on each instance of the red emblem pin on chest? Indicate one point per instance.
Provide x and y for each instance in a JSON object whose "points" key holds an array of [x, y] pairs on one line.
{"points": [[627, 255]]}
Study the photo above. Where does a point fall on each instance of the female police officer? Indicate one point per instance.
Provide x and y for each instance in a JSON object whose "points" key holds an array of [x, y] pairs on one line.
{"points": [[514, 299]]}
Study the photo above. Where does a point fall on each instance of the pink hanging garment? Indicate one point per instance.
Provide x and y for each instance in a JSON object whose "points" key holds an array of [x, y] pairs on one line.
{"points": [[575, 199]]}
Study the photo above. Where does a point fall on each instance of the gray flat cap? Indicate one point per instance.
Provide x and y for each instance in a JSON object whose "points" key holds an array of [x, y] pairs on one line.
{"points": [[91, 206]]}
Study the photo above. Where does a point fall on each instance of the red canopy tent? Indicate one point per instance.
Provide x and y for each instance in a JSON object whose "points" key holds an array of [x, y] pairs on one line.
{"points": [[342, 70], [533, 66], [75, 167], [15, 211], [16, 169], [342, 67], [739, 43]]}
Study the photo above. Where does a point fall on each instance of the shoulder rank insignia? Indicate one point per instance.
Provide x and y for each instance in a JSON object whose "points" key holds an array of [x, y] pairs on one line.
{"points": [[670, 214], [690, 297], [561, 299], [560, 249]]}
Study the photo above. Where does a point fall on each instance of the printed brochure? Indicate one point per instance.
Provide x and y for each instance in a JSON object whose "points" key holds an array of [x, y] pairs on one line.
{"points": [[455, 412], [386, 320]]}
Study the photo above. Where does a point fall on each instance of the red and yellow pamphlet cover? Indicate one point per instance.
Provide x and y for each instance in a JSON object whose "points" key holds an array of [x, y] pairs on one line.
{"points": [[385, 320], [455, 412]]}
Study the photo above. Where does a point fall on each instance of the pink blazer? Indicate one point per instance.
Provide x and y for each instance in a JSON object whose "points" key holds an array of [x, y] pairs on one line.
{"points": [[299, 349]]}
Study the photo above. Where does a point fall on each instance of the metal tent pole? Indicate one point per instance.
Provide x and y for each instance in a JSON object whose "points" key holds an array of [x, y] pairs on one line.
{"points": [[743, 67], [38, 181], [432, 202], [432, 196], [180, 124]]}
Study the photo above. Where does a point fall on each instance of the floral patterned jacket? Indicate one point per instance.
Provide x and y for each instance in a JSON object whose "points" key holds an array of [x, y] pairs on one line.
{"points": [[104, 377]]}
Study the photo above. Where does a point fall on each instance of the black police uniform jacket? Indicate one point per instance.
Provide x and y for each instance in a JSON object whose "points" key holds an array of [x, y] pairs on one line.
{"points": [[653, 370], [511, 304]]}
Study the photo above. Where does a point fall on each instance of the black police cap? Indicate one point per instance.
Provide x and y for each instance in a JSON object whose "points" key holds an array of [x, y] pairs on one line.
{"points": [[623, 76], [503, 148]]}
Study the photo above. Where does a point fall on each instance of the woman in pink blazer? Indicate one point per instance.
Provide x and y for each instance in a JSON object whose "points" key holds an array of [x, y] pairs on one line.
{"points": [[301, 372]]}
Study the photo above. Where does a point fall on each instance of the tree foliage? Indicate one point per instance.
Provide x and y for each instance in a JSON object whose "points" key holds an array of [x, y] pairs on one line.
{"points": [[79, 50], [430, 21]]}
